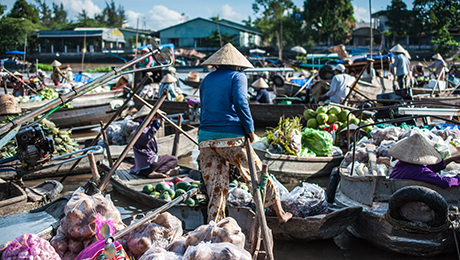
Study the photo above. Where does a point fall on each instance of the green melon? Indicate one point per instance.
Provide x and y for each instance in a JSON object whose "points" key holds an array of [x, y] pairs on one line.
{"points": [[321, 109], [354, 121], [161, 186], [343, 115], [309, 113], [368, 129], [334, 111], [312, 123], [189, 202], [196, 182], [332, 118], [191, 187], [170, 192], [156, 194], [182, 185], [322, 118], [180, 192], [322, 127], [165, 196], [148, 189]]}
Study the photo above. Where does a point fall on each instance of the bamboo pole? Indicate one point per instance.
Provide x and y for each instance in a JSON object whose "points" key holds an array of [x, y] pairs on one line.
{"points": [[177, 136], [352, 87], [83, 52], [135, 51], [20, 80]]}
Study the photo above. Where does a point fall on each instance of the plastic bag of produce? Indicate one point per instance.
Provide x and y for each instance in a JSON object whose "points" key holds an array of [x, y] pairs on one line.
{"points": [[178, 246], [296, 138], [216, 251], [159, 232], [306, 200], [239, 197], [359, 169], [382, 149], [259, 145], [157, 253], [318, 141], [226, 230], [29, 246], [388, 133], [278, 186]]}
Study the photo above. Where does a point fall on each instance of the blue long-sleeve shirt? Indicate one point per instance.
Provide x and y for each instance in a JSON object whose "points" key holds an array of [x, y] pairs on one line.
{"points": [[261, 96], [224, 104], [401, 64]]}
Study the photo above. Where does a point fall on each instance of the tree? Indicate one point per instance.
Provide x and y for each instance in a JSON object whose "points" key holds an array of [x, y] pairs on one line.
{"points": [[60, 15], [21, 9], [437, 17], [13, 31], [111, 16], [45, 14], [2, 9], [273, 11], [399, 18], [330, 18], [216, 38]]}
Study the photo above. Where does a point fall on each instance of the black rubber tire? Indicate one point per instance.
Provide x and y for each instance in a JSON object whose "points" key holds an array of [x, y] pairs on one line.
{"points": [[326, 72], [278, 80], [332, 185], [423, 194]]}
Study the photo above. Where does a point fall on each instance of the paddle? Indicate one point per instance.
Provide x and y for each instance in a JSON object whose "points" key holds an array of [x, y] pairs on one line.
{"points": [[268, 243], [352, 87], [109, 248], [166, 118]]}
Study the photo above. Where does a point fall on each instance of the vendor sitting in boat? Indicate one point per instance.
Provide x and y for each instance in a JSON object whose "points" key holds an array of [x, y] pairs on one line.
{"points": [[418, 160], [168, 83], [18, 85], [147, 162], [262, 96]]}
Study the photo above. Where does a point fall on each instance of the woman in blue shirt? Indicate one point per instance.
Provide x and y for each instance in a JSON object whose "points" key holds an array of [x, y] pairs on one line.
{"points": [[224, 122], [262, 96]]}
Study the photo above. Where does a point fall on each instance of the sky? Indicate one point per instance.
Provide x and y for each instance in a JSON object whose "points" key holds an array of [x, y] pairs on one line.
{"points": [[155, 14]]}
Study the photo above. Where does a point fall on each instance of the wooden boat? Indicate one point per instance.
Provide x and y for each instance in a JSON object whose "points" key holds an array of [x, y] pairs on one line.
{"points": [[290, 169], [321, 226], [165, 142], [17, 200], [42, 221], [193, 84], [49, 172], [377, 224]]}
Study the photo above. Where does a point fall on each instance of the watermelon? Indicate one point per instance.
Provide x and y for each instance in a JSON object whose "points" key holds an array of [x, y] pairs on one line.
{"points": [[189, 202], [309, 113], [182, 185], [161, 186], [312, 123], [322, 118], [148, 189], [155, 193], [191, 187], [165, 196], [180, 192], [170, 192]]}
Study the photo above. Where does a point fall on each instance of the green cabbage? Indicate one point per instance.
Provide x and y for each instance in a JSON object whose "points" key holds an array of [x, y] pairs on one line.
{"points": [[317, 141]]}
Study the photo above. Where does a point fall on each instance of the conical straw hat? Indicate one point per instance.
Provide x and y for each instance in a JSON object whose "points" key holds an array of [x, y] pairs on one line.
{"points": [[415, 150], [437, 56], [260, 83], [168, 79], [228, 55], [56, 63], [398, 48]]}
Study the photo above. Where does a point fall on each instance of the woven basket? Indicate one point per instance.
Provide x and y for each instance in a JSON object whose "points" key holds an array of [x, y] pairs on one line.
{"points": [[9, 104]]}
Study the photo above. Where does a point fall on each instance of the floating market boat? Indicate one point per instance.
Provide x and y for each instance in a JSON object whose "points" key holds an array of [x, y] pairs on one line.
{"points": [[290, 169], [42, 221], [191, 83], [322, 226], [381, 223], [17, 200]]}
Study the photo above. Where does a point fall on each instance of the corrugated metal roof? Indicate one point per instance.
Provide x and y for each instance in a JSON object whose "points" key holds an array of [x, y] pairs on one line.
{"points": [[64, 33], [223, 23]]}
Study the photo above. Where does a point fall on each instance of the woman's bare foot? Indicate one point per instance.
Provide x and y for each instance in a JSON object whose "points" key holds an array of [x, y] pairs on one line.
{"points": [[285, 217], [157, 175], [173, 172]]}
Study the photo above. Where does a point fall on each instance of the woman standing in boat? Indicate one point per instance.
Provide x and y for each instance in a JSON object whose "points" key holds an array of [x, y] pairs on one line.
{"points": [[418, 160], [146, 160], [56, 74], [224, 122]]}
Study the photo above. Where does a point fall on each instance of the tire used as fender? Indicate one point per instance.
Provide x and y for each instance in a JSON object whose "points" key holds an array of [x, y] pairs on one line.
{"points": [[423, 194], [332, 185]]}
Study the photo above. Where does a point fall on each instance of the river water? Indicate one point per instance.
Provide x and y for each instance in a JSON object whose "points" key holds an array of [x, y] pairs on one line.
{"points": [[344, 246]]}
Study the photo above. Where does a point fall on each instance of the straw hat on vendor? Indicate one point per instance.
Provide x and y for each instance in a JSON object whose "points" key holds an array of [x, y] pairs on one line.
{"points": [[168, 79], [228, 55], [259, 83], [141, 114], [17, 74], [56, 63], [437, 56], [415, 150], [399, 49]]}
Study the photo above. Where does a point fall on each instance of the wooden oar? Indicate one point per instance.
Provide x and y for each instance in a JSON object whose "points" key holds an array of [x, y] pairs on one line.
{"points": [[352, 87], [20, 80], [109, 248], [268, 243], [166, 118]]}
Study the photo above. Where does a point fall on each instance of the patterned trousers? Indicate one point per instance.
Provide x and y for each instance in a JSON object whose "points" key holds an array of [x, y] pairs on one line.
{"points": [[216, 156]]}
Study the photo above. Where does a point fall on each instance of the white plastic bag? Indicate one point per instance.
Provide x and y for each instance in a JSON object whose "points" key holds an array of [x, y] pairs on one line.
{"points": [[226, 230], [306, 200], [158, 253], [217, 251]]}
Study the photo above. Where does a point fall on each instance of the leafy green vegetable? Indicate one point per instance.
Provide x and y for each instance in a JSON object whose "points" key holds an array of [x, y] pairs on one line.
{"points": [[281, 135], [317, 141]]}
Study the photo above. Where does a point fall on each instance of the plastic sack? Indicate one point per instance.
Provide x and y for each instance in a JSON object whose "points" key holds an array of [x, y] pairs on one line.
{"points": [[82, 215], [29, 246], [382, 149], [382, 170], [178, 246], [259, 145], [360, 156], [278, 186], [296, 138], [239, 197], [159, 232], [158, 253], [388, 133], [359, 169], [320, 142], [306, 200], [226, 230], [216, 251]]}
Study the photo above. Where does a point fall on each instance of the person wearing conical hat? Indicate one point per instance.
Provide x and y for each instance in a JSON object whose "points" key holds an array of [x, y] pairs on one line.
{"points": [[18, 86], [147, 162], [168, 83], [417, 70], [262, 95], [401, 64], [418, 160], [56, 74], [225, 120], [439, 64]]}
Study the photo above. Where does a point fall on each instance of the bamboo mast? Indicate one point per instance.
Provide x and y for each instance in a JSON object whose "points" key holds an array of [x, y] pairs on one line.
{"points": [[83, 51]]}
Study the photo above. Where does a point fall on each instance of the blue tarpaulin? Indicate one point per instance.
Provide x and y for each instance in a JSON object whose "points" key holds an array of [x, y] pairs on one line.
{"points": [[15, 52]]}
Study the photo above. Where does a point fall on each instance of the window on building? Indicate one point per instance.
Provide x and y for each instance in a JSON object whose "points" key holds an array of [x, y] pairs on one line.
{"points": [[174, 41]]}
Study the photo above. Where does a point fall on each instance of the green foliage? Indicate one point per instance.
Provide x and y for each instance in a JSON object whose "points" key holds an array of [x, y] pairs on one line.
{"points": [[399, 19], [13, 31], [2, 9], [45, 67], [214, 39], [21, 9], [112, 16]]}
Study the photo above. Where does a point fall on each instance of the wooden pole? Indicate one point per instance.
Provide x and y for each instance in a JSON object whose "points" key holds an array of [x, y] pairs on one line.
{"points": [[166, 119], [20, 80], [255, 240], [92, 165], [105, 180], [25, 48], [352, 87], [268, 243], [106, 143], [177, 136], [135, 51]]}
